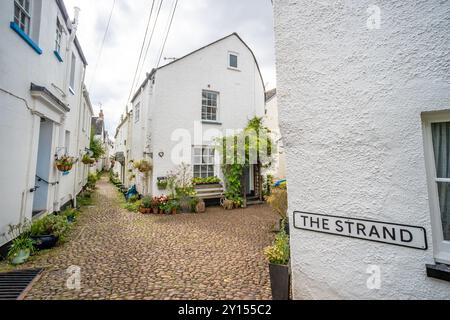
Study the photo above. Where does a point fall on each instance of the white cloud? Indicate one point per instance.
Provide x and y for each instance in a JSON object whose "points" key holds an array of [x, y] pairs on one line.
{"points": [[197, 23]]}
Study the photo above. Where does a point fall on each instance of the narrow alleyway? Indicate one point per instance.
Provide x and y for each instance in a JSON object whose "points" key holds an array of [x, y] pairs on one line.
{"points": [[123, 255]]}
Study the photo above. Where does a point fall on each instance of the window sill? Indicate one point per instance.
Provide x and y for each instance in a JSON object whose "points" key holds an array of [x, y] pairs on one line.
{"points": [[234, 69], [212, 122], [25, 37], [58, 56], [440, 271], [71, 91]]}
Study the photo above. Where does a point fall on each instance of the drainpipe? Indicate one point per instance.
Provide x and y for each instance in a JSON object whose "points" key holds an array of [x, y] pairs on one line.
{"points": [[77, 168]]}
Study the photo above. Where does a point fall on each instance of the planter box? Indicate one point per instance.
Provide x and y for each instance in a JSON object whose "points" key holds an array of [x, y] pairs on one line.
{"points": [[279, 281], [44, 242]]}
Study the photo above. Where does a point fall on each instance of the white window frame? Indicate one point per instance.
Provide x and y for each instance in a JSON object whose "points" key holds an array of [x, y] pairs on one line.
{"points": [[137, 112], [22, 11], [203, 159], [206, 115], [441, 246], [73, 64], [231, 53], [59, 35]]}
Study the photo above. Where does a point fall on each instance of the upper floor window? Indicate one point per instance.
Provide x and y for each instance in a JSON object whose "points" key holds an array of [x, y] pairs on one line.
{"points": [[22, 15], [437, 146], [210, 104], [137, 113], [59, 33], [233, 60], [72, 73]]}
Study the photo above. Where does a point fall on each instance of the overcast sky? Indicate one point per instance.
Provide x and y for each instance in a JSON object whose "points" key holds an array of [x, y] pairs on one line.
{"points": [[196, 23]]}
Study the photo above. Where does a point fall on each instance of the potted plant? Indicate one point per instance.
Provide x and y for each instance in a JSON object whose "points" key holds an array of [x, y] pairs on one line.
{"points": [[278, 201], [278, 256], [64, 163], [162, 202], [47, 231], [144, 166], [172, 207], [206, 181], [162, 184], [87, 160], [22, 246], [21, 249], [200, 206], [146, 206]]}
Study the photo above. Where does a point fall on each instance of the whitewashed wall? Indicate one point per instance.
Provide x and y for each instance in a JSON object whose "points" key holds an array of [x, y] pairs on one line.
{"points": [[271, 120], [20, 65], [178, 97], [350, 107]]}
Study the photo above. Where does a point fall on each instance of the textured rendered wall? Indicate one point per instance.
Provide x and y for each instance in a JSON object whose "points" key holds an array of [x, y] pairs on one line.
{"points": [[351, 100]]}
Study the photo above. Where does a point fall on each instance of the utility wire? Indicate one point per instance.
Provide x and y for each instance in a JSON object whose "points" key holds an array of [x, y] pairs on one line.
{"points": [[167, 34], [101, 46], [142, 50], [149, 43]]}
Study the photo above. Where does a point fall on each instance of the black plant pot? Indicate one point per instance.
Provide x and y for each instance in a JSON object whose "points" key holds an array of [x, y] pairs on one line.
{"points": [[44, 242], [279, 281]]}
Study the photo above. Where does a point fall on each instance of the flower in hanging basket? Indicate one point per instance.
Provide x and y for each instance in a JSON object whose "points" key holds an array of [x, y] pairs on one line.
{"points": [[65, 163], [143, 166]]}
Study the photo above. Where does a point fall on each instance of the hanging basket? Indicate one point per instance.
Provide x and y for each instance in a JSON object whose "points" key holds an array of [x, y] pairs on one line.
{"points": [[143, 166], [64, 167], [65, 163]]}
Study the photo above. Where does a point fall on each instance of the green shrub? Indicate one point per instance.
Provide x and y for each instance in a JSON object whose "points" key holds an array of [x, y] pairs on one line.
{"points": [[279, 253], [147, 202], [56, 225]]}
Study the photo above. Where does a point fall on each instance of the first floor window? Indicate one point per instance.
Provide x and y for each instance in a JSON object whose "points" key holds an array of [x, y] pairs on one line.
{"points": [[437, 145], [59, 32], [22, 15], [203, 162], [137, 113], [210, 103], [72, 72]]}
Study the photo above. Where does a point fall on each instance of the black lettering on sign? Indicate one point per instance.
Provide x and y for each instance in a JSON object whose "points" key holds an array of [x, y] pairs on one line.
{"points": [[375, 231]]}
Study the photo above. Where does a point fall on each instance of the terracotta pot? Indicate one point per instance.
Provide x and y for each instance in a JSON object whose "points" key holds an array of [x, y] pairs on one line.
{"points": [[200, 207], [174, 211]]}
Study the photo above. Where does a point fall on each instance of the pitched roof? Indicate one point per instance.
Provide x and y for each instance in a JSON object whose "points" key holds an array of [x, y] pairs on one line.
{"points": [[193, 52]]}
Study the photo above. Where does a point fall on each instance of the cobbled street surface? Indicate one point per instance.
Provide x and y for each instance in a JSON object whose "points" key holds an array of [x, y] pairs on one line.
{"points": [[124, 255]]}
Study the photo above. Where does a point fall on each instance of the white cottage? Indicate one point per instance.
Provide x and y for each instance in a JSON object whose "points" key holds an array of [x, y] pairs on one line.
{"points": [[190, 102], [45, 109], [364, 94]]}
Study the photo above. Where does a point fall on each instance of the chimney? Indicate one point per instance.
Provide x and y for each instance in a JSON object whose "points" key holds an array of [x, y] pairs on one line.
{"points": [[74, 26], [101, 115]]}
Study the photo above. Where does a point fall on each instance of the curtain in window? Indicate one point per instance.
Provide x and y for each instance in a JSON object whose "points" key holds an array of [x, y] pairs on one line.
{"points": [[441, 145]]}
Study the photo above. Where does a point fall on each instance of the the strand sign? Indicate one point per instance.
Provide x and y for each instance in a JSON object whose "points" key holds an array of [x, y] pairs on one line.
{"points": [[389, 233]]}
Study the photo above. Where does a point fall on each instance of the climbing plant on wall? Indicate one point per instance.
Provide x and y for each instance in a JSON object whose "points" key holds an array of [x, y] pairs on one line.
{"points": [[252, 146]]}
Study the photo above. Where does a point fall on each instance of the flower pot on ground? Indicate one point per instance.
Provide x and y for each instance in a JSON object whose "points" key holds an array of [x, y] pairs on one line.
{"points": [[278, 256], [44, 242], [20, 257], [146, 206], [279, 281], [200, 207]]}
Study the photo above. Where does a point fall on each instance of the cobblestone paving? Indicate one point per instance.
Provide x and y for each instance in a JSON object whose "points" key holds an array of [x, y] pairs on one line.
{"points": [[123, 255]]}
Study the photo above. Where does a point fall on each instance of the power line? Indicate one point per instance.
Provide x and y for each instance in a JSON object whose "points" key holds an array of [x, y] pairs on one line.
{"points": [[101, 46], [142, 50], [149, 43], [167, 34]]}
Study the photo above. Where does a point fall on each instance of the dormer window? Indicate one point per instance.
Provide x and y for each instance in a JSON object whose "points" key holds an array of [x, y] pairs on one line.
{"points": [[233, 60]]}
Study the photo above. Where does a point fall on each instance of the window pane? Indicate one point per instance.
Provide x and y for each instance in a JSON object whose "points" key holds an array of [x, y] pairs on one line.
{"points": [[444, 203], [233, 61], [441, 144]]}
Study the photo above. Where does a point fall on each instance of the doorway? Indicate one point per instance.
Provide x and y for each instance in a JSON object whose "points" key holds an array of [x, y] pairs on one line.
{"points": [[43, 166]]}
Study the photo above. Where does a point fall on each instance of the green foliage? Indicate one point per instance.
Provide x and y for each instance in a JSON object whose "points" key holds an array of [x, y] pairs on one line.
{"points": [[132, 206], [84, 199], [162, 184], [252, 146], [56, 225], [171, 205], [147, 202], [208, 180], [267, 186], [23, 242], [96, 147], [278, 201], [279, 253], [92, 180]]}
